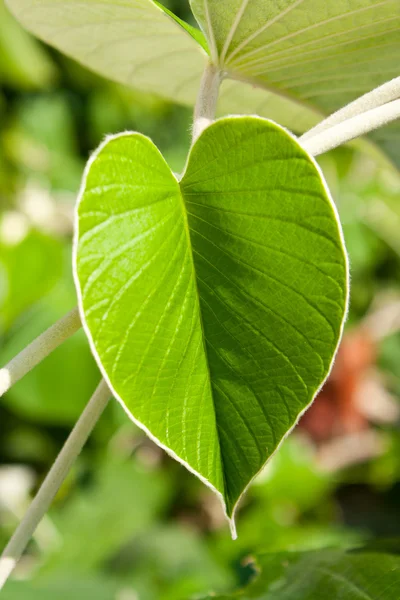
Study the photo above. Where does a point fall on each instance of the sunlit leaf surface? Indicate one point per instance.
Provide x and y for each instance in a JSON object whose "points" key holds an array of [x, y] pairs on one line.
{"points": [[214, 305]]}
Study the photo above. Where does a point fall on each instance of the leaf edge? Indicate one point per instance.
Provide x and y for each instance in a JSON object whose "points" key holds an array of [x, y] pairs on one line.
{"points": [[229, 517]]}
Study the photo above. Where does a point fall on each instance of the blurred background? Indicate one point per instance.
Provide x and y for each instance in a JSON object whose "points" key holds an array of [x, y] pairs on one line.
{"points": [[129, 523]]}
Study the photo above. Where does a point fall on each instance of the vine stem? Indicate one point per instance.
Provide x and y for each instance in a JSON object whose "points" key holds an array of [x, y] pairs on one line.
{"points": [[53, 481], [351, 128], [37, 350], [381, 95], [207, 99]]}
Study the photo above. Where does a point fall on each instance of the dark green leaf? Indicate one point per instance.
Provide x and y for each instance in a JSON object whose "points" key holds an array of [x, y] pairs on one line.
{"points": [[326, 574]]}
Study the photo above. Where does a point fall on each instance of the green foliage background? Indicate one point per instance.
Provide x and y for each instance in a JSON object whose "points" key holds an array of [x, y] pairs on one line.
{"points": [[130, 523]]}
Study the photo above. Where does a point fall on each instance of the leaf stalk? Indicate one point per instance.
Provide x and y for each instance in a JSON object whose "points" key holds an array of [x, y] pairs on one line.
{"points": [[57, 474], [352, 128], [39, 349], [381, 95], [207, 99]]}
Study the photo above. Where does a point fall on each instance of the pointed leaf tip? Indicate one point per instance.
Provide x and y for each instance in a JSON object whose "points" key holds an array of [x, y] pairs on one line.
{"points": [[214, 306]]}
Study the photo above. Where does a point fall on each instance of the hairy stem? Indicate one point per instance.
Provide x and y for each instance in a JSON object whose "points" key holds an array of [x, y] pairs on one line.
{"points": [[378, 97], [206, 105], [53, 481], [35, 352], [351, 128]]}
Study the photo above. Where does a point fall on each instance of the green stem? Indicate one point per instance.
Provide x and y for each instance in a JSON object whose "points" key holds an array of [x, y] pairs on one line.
{"points": [[36, 351], [53, 481], [381, 95], [351, 128]]}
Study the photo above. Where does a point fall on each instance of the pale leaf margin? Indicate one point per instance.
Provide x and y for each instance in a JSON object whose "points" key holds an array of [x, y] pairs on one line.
{"points": [[93, 158]]}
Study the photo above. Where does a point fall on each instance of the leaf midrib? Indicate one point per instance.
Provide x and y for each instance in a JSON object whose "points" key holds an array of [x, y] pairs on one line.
{"points": [[203, 335]]}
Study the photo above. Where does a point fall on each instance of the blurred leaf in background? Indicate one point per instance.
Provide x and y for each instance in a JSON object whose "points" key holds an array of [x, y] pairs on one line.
{"points": [[23, 61], [326, 574], [30, 265]]}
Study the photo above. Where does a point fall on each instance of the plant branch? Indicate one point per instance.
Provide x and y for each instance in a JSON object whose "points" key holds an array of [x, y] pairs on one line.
{"points": [[53, 481], [206, 105], [351, 128], [387, 92], [36, 351]]}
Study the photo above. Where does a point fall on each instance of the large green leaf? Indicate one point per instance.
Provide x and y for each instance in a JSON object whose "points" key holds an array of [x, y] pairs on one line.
{"points": [[293, 61], [136, 42], [322, 55], [333, 574], [213, 306]]}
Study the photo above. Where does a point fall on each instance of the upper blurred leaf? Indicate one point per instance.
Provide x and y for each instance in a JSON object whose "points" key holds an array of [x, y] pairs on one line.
{"points": [[137, 42], [322, 55], [23, 63], [293, 61]]}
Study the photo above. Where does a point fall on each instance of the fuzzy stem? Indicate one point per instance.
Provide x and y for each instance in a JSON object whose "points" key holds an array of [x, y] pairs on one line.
{"points": [[387, 92], [35, 352], [352, 128], [53, 481], [207, 99]]}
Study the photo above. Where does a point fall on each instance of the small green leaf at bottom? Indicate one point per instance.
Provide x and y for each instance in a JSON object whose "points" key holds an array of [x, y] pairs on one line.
{"points": [[323, 575], [214, 304]]}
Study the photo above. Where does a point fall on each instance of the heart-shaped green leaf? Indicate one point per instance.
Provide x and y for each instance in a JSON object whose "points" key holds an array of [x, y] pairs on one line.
{"points": [[214, 305], [294, 61]]}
